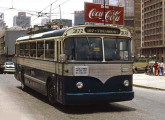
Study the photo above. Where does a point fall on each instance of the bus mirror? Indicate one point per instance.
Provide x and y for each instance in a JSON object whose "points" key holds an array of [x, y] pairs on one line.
{"points": [[62, 57]]}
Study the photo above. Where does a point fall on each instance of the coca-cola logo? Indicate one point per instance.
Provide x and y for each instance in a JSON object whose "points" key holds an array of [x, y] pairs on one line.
{"points": [[94, 14]]}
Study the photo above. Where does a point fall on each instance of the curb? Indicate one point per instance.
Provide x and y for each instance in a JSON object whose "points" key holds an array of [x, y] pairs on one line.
{"points": [[153, 88]]}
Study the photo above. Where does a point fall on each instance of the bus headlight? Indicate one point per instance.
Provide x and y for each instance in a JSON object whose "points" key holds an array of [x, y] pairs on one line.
{"points": [[126, 83], [79, 85]]}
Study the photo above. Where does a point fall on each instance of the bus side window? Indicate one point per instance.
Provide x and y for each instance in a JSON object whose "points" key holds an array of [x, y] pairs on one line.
{"points": [[49, 49], [57, 51], [55, 54], [60, 47], [40, 49], [22, 47], [17, 49], [33, 49], [27, 49]]}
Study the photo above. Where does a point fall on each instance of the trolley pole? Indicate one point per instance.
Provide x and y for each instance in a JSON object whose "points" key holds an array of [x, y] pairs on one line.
{"points": [[60, 18], [50, 13]]}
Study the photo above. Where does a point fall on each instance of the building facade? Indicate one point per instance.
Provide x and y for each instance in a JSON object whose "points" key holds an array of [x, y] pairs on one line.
{"points": [[79, 18], [2, 45], [153, 29], [136, 51], [132, 20], [65, 22], [2, 22], [128, 10], [101, 1], [10, 38], [22, 20], [7, 42], [2, 34]]}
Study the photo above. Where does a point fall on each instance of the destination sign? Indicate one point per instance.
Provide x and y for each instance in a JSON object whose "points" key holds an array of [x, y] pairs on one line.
{"points": [[102, 30]]}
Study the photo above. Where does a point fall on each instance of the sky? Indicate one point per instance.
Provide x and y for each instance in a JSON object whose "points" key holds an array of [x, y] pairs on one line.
{"points": [[31, 7]]}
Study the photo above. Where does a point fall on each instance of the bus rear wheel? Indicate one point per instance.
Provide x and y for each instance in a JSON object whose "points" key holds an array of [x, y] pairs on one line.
{"points": [[51, 93]]}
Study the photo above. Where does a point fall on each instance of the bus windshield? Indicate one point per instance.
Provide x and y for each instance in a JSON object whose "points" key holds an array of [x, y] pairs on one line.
{"points": [[116, 49], [90, 49], [84, 48]]}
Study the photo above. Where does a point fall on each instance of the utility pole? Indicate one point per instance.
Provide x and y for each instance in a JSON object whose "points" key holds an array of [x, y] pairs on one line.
{"points": [[104, 12], [114, 9]]}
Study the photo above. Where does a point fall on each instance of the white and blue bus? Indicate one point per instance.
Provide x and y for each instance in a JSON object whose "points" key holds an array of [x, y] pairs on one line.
{"points": [[78, 65]]}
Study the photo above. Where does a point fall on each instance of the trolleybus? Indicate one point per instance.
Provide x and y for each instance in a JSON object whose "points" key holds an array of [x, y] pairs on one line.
{"points": [[78, 65]]}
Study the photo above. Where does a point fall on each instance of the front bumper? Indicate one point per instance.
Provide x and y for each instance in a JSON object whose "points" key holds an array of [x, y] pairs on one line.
{"points": [[103, 97], [9, 70]]}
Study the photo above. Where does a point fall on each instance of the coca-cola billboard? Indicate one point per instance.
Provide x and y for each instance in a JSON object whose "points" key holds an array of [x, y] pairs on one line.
{"points": [[94, 13]]}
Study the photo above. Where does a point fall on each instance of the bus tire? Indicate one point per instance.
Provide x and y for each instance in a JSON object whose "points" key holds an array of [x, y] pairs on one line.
{"points": [[23, 86], [51, 93]]}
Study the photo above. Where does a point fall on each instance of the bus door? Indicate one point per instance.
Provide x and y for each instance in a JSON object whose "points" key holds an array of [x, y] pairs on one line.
{"points": [[124, 48], [59, 70], [58, 52]]}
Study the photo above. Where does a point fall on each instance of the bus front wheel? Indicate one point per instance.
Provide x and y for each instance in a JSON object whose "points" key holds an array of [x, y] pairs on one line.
{"points": [[51, 93]]}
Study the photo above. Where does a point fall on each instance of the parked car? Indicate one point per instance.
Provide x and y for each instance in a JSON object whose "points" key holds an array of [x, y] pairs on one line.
{"points": [[9, 67], [139, 65]]}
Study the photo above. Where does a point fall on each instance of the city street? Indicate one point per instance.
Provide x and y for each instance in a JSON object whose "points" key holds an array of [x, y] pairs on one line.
{"points": [[17, 104]]}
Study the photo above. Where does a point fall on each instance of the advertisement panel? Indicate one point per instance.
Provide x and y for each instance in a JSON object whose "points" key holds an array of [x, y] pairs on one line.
{"points": [[94, 13]]}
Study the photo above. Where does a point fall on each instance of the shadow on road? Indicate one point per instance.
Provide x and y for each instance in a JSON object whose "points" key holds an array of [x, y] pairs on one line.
{"points": [[82, 109], [98, 108]]}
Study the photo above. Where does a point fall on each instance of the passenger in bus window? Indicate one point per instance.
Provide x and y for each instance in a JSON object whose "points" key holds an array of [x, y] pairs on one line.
{"points": [[110, 51], [85, 52], [42, 56], [70, 53]]}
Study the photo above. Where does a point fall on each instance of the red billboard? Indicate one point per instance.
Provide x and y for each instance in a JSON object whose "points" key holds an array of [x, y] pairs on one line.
{"points": [[94, 13]]}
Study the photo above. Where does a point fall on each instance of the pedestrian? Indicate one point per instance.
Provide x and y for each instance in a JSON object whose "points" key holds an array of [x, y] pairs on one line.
{"points": [[134, 69], [155, 66], [161, 67], [146, 69]]}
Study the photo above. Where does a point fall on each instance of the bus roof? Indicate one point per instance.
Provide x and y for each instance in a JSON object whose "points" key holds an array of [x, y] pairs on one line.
{"points": [[80, 30], [53, 33]]}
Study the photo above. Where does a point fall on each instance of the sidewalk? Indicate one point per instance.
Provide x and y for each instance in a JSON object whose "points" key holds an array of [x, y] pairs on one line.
{"points": [[148, 81]]}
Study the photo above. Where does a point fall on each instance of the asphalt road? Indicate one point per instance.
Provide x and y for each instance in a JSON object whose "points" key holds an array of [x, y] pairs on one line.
{"points": [[16, 104]]}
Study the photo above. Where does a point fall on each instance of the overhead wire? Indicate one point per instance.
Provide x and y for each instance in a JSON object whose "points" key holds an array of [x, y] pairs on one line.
{"points": [[36, 13], [52, 10], [61, 4], [48, 6], [43, 10], [35, 19]]}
